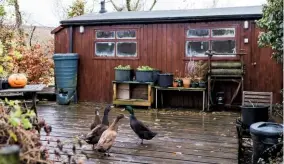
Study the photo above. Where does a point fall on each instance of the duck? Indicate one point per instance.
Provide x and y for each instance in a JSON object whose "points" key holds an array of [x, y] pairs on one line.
{"points": [[108, 137], [142, 131], [97, 119], [94, 135]]}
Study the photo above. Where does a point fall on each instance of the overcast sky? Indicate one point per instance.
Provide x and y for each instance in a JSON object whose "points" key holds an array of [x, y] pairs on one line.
{"points": [[47, 12]]}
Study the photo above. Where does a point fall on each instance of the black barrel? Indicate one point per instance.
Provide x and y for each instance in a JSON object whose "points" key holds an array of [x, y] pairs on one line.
{"points": [[252, 114], [265, 135]]}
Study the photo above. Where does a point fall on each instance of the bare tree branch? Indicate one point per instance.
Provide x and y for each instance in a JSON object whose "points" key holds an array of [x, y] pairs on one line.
{"points": [[136, 5], [115, 6], [153, 4], [31, 35]]}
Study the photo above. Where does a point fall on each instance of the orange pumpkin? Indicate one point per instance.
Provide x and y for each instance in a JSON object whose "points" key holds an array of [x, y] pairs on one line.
{"points": [[17, 80]]}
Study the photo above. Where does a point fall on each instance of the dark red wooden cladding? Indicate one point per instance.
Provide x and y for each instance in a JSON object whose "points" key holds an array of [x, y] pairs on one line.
{"points": [[162, 46]]}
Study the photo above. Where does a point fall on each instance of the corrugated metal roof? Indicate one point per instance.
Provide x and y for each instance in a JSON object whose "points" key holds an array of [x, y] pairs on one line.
{"points": [[236, 13]]}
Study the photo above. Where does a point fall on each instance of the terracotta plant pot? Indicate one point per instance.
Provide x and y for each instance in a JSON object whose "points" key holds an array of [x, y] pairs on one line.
{"points": [[175, 84], [186, 82]]}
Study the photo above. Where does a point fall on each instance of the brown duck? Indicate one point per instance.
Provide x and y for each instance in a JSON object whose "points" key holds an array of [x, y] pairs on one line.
{"points": [[94, 136], [108, 137]]}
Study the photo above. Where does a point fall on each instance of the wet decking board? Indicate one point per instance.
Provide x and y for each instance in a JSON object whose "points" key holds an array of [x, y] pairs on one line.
{"points": [[183, 137]]}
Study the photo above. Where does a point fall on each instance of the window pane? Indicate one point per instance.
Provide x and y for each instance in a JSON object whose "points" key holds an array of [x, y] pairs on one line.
{"points": [[197, 33], [126, 49], [195, 48], [105, 34], [126, 34], [223, 32], [224, 46], [104, 48]]}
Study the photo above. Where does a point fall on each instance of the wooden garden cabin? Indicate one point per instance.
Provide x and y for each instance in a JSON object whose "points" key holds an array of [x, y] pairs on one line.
{"points": [[164, 40]]}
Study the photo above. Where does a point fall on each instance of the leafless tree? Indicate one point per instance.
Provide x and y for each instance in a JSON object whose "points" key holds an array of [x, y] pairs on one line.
{"points": [[131, 5]]}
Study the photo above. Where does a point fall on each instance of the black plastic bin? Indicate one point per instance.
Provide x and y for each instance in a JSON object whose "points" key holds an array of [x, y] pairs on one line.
{"points": [[252, 114], [264, 136], [123, 75], [144, 76], [4, 84], [165, 80], [156, 75]]}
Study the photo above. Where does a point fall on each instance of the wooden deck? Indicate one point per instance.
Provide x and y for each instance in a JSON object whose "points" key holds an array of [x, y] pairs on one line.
{"points": [[183, 136]]}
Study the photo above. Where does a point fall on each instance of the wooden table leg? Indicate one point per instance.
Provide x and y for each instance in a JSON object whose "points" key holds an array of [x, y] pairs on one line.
{"points": [[34, 102]]}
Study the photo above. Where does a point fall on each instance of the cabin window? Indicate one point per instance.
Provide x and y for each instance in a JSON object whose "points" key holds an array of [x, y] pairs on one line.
{"points": [[126, 34], [105, 34], [126, 49], [116, 43], [104, 49], [220, 40]]}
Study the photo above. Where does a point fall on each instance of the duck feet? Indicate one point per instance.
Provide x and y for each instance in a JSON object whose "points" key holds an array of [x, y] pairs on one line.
{"points": [[141, 142]]}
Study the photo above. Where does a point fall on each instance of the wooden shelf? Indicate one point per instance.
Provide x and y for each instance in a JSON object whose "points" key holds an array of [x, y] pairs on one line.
{"points": [[132, 93], [180, 88]]}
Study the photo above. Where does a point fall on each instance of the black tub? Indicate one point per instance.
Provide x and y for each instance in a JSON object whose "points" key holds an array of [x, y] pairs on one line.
{"points": [[144, 76], [156, 75], [252, 114], [123, 75], [166, 80]]}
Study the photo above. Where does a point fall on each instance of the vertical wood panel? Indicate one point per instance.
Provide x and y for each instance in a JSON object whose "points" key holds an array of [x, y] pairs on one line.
{"points": [[163, 46]]}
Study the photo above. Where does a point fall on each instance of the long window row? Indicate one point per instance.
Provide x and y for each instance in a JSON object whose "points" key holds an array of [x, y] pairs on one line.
{"points": [[123, 43]]}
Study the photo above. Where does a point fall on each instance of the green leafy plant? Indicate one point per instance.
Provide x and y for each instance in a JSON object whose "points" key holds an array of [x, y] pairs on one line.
{"points": [[127, 67], [19, 118], [145, 68], [272, 24]]}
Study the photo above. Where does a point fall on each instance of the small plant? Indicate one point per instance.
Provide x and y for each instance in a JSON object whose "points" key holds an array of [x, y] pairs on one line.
{"points": [[127, 67], [201, 70], [145, 68], [177, 75], [20, 126], [190, 69]]}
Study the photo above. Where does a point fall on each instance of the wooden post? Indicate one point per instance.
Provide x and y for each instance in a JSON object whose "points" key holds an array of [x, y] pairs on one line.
{"points": [[114, 91], [149, 95]]}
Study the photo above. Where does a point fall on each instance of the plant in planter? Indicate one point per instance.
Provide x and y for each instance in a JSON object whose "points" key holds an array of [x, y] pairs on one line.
{"points": [[177, 79], [194, 83], [123, 73], [144, 74], [189, 73], [201, 72]]}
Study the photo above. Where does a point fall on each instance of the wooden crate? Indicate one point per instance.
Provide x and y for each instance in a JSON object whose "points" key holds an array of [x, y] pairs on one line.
{"points": [[123, 91]]}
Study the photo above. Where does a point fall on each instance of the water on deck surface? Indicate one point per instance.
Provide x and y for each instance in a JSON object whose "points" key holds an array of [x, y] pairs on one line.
{"points": [[183, 136]]}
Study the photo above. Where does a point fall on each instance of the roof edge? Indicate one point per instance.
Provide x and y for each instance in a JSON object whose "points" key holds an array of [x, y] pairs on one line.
{"points": [[161, 20], [57, 29]]}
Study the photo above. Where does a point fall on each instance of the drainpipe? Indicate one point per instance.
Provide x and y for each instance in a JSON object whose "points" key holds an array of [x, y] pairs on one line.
{"points": [[70, 49]]}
